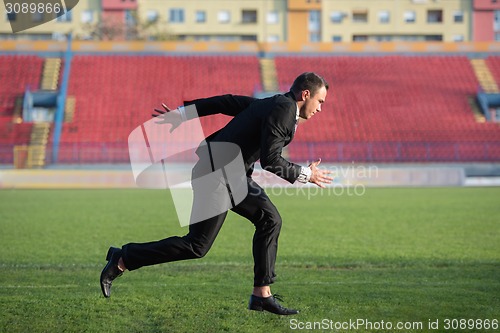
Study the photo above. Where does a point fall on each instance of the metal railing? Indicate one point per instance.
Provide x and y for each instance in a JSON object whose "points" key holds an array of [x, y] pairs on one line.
{"points": [[334, 152]]}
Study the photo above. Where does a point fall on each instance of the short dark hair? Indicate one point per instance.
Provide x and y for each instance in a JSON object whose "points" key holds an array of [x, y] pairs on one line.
{"points": [[308, 81]]}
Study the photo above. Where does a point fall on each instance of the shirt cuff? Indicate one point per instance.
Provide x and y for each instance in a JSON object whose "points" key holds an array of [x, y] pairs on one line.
{"points": [[182, 111], [305, 174]]}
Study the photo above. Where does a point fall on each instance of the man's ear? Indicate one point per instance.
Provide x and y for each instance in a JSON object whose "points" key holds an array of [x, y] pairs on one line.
{"points": [[305, 94]]}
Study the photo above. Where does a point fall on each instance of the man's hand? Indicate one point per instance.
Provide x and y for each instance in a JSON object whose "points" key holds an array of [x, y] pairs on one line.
{"points": [[168, 116], [319, 176]]}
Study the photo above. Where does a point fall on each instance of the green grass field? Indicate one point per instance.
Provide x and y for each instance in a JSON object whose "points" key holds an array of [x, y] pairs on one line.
{"points": [[392, 255]]}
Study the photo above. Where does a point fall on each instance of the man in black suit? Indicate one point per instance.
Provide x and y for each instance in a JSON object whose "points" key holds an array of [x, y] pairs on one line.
{"points": [[261, 128]]}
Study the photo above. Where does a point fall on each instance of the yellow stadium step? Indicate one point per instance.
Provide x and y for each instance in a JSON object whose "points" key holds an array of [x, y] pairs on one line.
{"points": [[38, 145], [268, 74], [69, 110], [50, 75], [484, 76], [17, 116]]}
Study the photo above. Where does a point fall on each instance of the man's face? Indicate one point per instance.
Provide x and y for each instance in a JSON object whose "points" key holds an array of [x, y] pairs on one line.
{"points": [[312, 104]]}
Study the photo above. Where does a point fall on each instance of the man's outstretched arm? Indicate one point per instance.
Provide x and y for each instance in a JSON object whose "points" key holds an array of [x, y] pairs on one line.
{"points": [[229, 105]]}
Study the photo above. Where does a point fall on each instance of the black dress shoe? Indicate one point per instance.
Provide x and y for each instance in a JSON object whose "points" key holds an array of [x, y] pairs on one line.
{"points": [[111, 270], [269, 304]]}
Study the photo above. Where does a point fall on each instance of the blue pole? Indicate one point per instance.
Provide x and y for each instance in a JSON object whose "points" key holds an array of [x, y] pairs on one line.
{"points": [[61, 101]]}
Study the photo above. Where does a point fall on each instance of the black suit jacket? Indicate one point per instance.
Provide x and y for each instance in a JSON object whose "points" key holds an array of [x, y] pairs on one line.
{"points": [[260, 127]]}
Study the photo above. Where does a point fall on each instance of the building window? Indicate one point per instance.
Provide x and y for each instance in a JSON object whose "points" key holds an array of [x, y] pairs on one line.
{"points": [[176, 15], [497, 36], [384, 16], [202, 38], [248, 16], [314, 20], [336, 38], [250, 38], [360, 16], [496, 22], [360, 38], [151, 15], [224, 16], [458, 16], [87, 16], [227, 38], [383, 38], [59, 36], [408, 38], [458, 38], [273, 38], [314, 37], [410, 16], [130, 18], [435, 16], [272, 17], [201, 16], [314, 26], [336, 17], [66, 17], [433, 38]]}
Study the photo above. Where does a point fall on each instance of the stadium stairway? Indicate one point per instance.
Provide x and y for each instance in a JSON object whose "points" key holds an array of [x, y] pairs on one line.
{"points": [[493, 63], [38, 144], [40, 131], [484, 76], [69, 110], [50, 75], [487, 83], [268, 74]]}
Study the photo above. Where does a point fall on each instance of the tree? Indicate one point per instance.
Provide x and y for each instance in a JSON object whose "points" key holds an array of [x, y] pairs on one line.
{"points": [[134, 28]]}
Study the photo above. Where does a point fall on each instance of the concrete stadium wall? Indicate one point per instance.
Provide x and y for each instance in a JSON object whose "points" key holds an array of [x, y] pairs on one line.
{"points": [[13, 46]]}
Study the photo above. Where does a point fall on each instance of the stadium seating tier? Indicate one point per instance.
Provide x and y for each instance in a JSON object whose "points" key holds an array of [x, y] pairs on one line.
{"points": [[17, 74], [407, 108], [386, 108]]}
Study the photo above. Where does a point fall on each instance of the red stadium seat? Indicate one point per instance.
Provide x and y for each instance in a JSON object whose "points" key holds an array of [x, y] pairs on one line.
{"points": [[387, 108]]}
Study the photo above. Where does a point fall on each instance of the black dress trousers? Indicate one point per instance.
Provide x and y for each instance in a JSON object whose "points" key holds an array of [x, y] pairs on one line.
{"points": [[256, 207]]}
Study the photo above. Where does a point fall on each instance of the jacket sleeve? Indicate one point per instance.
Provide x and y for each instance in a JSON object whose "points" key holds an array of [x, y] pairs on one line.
{"points": [[229, 105], [275, 129]]}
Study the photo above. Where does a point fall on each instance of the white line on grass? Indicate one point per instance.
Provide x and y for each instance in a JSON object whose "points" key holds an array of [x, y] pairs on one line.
{"points": [[9, 286]]}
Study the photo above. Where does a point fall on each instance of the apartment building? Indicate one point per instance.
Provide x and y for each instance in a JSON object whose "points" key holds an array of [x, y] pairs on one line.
{"points": [[486, 20], [313, 20]]}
